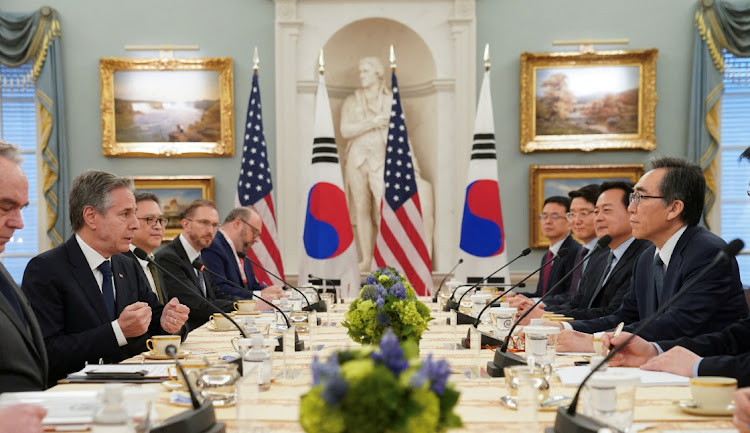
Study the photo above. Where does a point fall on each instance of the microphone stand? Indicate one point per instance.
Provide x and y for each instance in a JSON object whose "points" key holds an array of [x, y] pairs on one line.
{"points": [[437, 292], [325, 282], [567, 420], [503, 358], [319, 306], [200, 419], [466, 319], [451, 303], [298, 345]]}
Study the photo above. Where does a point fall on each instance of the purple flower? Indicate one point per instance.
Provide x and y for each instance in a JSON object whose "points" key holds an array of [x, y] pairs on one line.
{"points": [[334, 386], [398, 290], [370, 279], [436, 372], [380, 302], [391, 355]]}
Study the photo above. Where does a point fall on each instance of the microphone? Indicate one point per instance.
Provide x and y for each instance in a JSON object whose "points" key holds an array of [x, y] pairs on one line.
{"points": [[141, 254], [487, 339], [319, 306], [298, 345], [437, 292], [451, 304], [502, 357], [200, 419], [326, 281], [465, 319], [567, 419]]}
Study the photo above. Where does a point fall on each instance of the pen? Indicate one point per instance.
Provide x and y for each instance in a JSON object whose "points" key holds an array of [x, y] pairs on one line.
{"points": [[618, 329]]}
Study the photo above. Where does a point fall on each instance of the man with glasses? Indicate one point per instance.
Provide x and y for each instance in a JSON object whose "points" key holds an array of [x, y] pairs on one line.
{"points": [[556, 228], [240, 230], [199, 227], [148, 237], [665, 209]]}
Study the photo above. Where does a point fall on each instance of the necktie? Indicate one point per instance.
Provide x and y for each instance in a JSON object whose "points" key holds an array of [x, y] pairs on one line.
{"points": [[108, 292], [546, 271], [575, 279], [202, 282], [658, 277], [157, 285], [12, 298]]}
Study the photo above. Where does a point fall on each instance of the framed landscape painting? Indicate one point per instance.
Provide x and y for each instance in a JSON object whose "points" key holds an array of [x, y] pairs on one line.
{"points": [[167, 107], [548, 180], [175, 194], [588, 101]]}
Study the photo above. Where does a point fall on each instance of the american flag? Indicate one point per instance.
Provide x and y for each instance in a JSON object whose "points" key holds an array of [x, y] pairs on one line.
{"points": [[254, 189], [401, 241]]}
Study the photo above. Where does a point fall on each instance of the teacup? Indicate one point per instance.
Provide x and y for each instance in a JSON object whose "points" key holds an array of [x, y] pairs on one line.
{"points": [[158, 343], [245, 306], [713, 392], [221, 322], [598, 344], [188, 366]]}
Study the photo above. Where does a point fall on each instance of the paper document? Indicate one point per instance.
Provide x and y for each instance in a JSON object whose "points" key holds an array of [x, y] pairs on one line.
{"points": [[573, 376], [152, 370]]}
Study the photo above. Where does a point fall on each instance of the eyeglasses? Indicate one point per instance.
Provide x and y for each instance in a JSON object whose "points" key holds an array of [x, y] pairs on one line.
{"points": [[583, 214], [256, 232], [153, 220], [553, 217], [635, 197], [205, 223]]}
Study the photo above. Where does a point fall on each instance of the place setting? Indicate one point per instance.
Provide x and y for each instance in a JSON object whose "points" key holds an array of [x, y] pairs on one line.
{"points": [[157, 346], [712, 396]]}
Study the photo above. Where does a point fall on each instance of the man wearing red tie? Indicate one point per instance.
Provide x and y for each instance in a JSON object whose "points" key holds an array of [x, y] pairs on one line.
{"points": [[556, 228]]}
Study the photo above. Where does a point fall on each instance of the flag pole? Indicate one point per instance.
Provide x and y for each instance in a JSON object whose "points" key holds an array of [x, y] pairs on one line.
{"points": [[256, 60], [487, 57], [321, 63], [392, 59]]}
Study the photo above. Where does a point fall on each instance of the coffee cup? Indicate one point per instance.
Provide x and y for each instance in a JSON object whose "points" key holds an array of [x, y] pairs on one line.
{"points": [[221, 322], [188, 366], [713, 392], [158, 343], [598, 343], [244, 306]]}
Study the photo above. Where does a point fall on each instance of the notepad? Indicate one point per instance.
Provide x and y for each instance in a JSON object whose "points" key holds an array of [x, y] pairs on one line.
{"points": [[152, 370], [573, 376]]}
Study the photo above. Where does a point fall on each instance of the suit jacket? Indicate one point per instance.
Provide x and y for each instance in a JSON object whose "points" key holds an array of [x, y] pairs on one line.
{"points": [[725, 353], [712, 304], [560, 268], [593, 300], [161, 284], [23, 358], [70, 308], [184, 284], [564, 300], [220, 258]]}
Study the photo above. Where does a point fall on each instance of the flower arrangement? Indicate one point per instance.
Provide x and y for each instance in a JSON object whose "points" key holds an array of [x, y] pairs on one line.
{"points": [[387, 300], [374, 391]]}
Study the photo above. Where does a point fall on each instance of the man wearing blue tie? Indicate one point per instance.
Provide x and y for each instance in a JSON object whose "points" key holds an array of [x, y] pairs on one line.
{"points": [[93, 303]]}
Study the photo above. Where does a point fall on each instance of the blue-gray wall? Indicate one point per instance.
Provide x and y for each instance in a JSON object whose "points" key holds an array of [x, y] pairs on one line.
{"points": [[94, 29]]}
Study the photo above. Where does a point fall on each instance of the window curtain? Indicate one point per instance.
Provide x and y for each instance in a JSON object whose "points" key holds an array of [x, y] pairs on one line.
{"points": [[720, 25], [35, 38]]}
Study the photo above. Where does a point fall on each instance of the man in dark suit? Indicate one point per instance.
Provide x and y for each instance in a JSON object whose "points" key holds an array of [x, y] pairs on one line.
{"points": [[725, 353], [192, 286], [92, 303], [607, 278], [556, 228], [241, 229], [665, 209], [148, 237], [23, 358]]}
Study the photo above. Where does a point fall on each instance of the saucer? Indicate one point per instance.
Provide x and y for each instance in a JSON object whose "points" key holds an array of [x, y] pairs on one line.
{"points": [[172, 385], [556, 401], [689, 406], [215, 329], [180, 354]]}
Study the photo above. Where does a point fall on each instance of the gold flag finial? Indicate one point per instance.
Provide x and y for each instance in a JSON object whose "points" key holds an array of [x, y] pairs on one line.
{"points": [[256, 59], [321, 63], [487, 57], [392, 58]]}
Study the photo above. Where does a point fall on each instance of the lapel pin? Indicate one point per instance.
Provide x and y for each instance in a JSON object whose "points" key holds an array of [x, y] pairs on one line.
{"points": [[120, 275]]}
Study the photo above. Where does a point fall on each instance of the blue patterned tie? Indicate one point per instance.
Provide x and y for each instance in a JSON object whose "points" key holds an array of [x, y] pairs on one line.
{"points": [[658, 277], [108, 292]]}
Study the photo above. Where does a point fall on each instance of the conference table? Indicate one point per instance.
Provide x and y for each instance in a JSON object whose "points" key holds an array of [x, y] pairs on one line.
{"points": [[479, 405]]}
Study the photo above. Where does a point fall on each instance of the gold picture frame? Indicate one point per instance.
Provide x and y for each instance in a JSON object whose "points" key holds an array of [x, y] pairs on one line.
{"points": [[588, 101], [167, 107], [548, 180], [175, 194]]}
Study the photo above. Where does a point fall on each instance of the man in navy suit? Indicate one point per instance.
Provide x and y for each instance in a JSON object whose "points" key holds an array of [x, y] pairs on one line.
{"points": [[93, 303], [665, 209], [725, 353], [556, 228], [241, 229]]}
